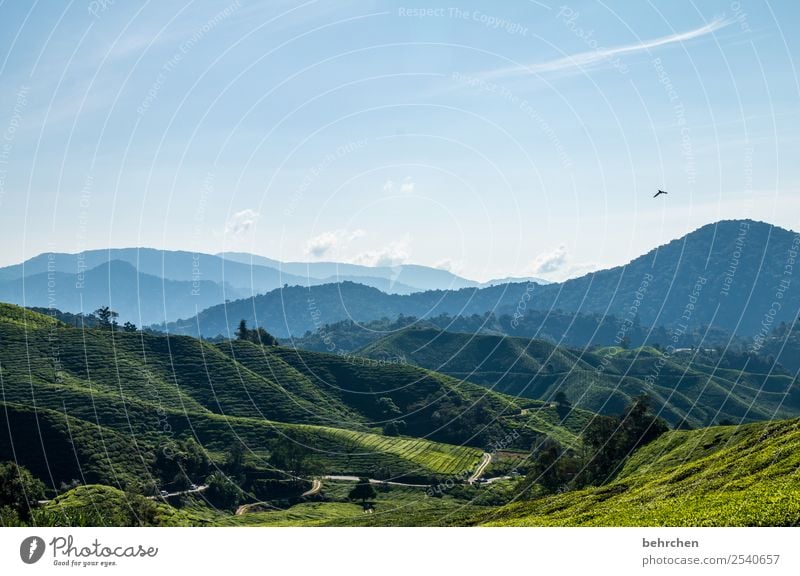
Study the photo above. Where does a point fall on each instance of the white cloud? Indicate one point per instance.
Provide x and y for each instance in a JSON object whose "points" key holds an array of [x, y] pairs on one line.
{"points": [[591, 57], [331, 242], [407, 186], [393, 254], [446, 264], [454, 266], [241, 223], [558, 265], [550, 262]]}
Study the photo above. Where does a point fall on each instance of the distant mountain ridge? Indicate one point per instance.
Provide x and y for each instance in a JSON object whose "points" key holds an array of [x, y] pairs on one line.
{"points": [[296, 309], [136, 296], [260, 275], [726, 275], [419, 277], [191, 281]]}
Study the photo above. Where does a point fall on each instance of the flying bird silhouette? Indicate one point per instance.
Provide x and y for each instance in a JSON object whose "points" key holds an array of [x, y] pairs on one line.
{"points": [[659, 193]]}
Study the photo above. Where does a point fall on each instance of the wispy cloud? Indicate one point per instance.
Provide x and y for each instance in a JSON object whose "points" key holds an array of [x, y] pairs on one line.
{"points": [[590, 58], [407, 186], [394, 254], [558, 265], [329, 243], [241, 223], [550, 261]]}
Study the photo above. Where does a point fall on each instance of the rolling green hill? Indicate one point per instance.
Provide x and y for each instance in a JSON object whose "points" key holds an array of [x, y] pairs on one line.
{"points": [[689, 386], [99, 406], [722, 476], [117, 413]]}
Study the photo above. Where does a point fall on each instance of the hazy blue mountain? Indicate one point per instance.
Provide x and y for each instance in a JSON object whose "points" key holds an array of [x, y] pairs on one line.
{"points": [[167, 264], [137, 297], [727, 275], [419, 277], [246, 274], [296, 310]]}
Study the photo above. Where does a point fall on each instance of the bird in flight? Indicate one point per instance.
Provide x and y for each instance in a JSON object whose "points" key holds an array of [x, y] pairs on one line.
{"points": [[659, 193]]}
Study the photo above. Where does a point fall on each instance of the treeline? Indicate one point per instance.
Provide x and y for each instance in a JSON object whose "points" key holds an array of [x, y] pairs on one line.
{"points": [[606, 444], [107, 318], [256, 335], [564, 328]]}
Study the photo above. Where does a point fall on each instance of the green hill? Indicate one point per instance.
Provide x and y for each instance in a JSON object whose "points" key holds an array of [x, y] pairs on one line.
{"points": [[120, 413], [100, 406], [722, 476], [690, 386]]}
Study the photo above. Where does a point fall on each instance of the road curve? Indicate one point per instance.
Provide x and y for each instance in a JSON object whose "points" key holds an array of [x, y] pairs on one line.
{"points": [[375, 481], [197, 490], [485, 460], [244, 508], [316, 486]]}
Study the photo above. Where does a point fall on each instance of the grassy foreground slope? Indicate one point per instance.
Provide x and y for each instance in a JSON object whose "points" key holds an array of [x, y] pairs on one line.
{"points": [[721, 476]]}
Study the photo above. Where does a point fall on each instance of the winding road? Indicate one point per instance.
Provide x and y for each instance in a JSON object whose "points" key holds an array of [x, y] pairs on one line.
{"points": [[316, 483], [486, 459], [245, 508], [316, 486], [374, 481], [197, 490]]}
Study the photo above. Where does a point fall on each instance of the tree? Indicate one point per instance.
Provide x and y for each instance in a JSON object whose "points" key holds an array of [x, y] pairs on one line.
{"points": [[242, 333], [106, 316], [182, 459], [602, 440], [257, 335], [388, 408], [610, 440], [20, 490], [394, 427], [222, 491], [563, 405], [129, 327], [261, 336], [181, 482], [548, 469], [234, 461], [363, 491], [289, 455], [640, 425]]}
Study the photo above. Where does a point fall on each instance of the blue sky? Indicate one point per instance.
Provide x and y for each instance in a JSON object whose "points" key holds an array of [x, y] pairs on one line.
{"points": [[492, 139]]}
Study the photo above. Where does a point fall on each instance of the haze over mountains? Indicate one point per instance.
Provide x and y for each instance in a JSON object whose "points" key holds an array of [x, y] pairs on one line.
{"points": [[728, 275], [130, 280], [451, 393]]}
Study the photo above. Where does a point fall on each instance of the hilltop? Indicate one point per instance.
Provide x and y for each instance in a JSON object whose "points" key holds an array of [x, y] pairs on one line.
{"points": [[696, 387]]}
